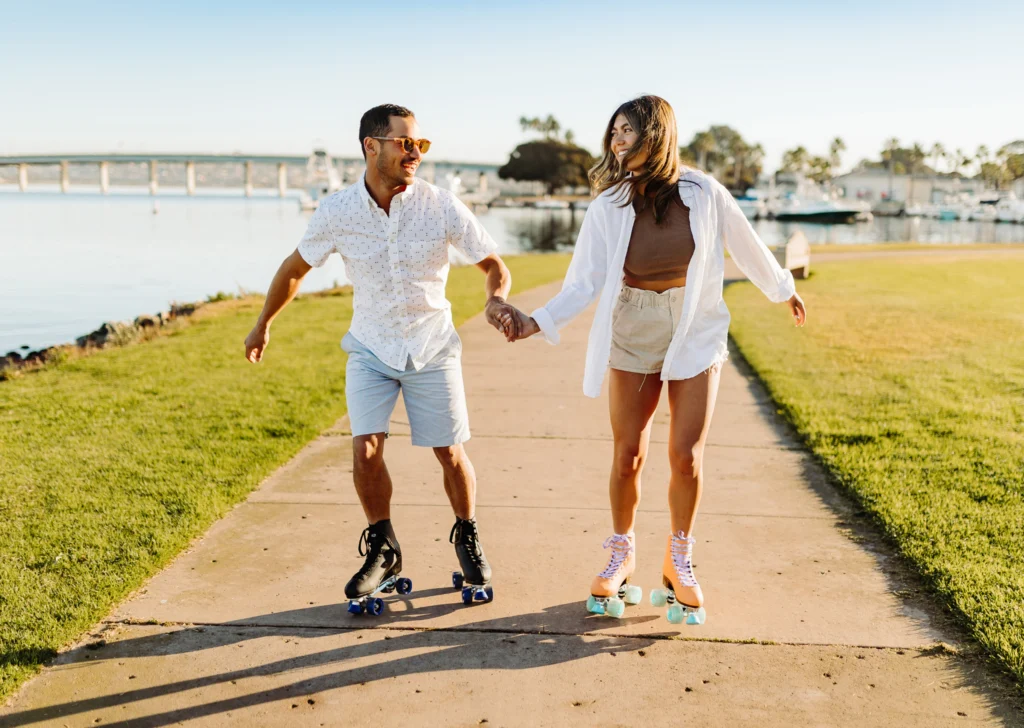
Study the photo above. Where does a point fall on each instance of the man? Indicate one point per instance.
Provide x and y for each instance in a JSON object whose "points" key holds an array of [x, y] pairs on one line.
{"points": [[393, 232]]}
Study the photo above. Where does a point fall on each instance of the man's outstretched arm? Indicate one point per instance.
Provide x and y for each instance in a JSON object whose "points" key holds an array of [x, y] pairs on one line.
{"points": [[282, 290], [498, 284]]}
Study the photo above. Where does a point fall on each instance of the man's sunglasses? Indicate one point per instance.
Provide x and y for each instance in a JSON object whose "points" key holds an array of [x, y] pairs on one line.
{"points": [[407, 143]]}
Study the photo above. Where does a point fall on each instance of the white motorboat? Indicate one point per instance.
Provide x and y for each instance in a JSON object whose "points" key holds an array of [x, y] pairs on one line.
{"points": [[810, 203], [1010, 209], [753, 205], [322, 179]]}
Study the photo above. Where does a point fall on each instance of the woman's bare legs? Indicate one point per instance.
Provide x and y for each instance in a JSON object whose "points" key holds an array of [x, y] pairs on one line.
{"points": [[632, 401], [691, 403]]}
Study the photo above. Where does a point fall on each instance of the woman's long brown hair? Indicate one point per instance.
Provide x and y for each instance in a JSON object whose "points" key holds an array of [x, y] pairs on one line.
{"points": [[654, 122]]}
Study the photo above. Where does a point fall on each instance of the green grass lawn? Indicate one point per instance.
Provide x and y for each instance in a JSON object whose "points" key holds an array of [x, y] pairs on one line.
{"points": [[908, 383], [110, 464]]}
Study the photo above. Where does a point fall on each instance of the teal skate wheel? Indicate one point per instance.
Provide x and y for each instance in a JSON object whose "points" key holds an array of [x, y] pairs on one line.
{"points": [[676, 613], [634, 595], [697, 617], [659, 597], [616, 607], [594, 606]]}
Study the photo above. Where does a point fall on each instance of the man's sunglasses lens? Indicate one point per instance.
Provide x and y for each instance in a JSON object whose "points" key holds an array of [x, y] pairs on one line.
{"points": [[410, 144]]}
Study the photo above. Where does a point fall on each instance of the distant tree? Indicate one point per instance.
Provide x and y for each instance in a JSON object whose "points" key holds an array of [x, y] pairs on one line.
{"points": [[722, 151], [549, 127], [554, 162], [795, 160], [819, 169], [937, 152], [837, 147], [889, 156], [994, 174], [702, 145], [1011, 157], [960, 160]]}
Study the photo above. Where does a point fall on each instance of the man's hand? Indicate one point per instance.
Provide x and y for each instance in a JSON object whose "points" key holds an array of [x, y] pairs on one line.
{"points": [[525, 326], [796, 307], [501, 316], [256, 342]]}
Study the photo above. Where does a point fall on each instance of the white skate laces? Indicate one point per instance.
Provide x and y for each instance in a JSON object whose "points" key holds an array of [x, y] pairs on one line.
{"points": [[621, 547], [682, 555]]}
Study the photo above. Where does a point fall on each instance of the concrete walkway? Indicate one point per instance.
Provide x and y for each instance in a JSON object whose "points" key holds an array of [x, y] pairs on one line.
{"points": [[809, 623]]}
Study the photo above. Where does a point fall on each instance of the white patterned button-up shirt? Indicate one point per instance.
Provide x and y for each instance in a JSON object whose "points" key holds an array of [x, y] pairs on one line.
{"points": [[398, 264]]}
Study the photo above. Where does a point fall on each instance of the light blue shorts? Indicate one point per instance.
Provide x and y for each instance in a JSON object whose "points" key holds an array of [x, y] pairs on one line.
{"points": [[435, 398]]}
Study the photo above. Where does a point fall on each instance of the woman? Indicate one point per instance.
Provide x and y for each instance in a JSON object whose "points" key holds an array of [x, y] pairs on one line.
{"points": [[652, 248]]}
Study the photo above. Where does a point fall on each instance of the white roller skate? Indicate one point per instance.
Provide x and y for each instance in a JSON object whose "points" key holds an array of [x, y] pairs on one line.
{"points": [[682, 592], [611, 591]]}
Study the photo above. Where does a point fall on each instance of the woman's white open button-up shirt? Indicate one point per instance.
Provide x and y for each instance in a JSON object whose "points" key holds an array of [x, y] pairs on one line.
{"points": [[701, 339]]}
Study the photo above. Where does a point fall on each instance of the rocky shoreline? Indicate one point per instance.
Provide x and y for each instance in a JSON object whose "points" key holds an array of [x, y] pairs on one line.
{"points": [[111, 334]]}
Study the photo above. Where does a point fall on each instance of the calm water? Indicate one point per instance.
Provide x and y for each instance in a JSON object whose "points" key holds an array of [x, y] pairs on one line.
{"points": [[70, 262]]}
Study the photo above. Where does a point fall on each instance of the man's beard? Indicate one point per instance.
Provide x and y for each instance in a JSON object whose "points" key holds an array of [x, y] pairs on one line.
{"points": [[388, 176]]}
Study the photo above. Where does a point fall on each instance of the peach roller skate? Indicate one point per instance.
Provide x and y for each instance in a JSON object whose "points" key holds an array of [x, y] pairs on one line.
{"points": [[611, 591], [682, 592]]}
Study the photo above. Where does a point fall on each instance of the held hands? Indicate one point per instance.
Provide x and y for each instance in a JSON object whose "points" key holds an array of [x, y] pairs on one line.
{"points": [[256, 342], [509, 320], [796, 307]]}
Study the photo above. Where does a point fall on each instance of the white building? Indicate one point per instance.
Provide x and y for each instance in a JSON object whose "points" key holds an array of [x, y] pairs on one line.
{"points": [[877, 185]]}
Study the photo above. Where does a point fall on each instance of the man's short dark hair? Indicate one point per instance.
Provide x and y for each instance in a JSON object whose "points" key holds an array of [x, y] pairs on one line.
{"points": [[377, 121]]}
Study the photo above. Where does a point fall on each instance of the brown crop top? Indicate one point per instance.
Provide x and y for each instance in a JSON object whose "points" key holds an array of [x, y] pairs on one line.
{"points": [[659, 252]]}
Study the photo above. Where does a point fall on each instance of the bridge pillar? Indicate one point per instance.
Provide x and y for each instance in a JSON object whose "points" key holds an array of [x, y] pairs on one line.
{"points": [[105, 177], [154, 182], [65, 177], [248, 179], [282, 179], [190, 177], [22, 177]]}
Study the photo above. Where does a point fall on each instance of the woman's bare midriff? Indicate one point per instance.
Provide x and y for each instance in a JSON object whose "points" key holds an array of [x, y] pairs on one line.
{"points": [[656, 286]]}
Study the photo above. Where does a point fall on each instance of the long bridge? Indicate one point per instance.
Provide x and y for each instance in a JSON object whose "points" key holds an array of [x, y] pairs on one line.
{"points": [[319, 159]]}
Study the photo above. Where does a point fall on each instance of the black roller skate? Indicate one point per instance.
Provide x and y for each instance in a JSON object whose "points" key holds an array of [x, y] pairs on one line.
{"points": [[475, 578], [380, 571]]}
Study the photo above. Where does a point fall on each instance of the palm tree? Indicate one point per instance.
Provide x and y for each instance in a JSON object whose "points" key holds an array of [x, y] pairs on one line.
{"points": [[837, 147], [704, 144], [938, 152], [795, 160], [960, 160], [889, 155], [917, 156]]}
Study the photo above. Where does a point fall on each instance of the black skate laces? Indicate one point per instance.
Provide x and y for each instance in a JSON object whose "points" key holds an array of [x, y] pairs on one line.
{"points": [[371, 539], [464, 532]]}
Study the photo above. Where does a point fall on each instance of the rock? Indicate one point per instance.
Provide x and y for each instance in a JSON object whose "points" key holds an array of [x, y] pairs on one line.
{"points": [[145, 321], [13, 356]]}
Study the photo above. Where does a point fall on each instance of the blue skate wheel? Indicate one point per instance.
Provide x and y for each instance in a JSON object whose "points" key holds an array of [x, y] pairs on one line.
{"points": [[355, 607], [404, 586], [659, 597], [490, 594], [457, 579], [676, 613], [697, 617], [594, 606], [376, 606], [480, 595], [616, 607], [467, 595], [633, 595]]}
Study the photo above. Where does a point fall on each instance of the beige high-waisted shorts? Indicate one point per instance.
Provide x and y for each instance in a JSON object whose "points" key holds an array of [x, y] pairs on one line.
{"points": [[643, 324]]}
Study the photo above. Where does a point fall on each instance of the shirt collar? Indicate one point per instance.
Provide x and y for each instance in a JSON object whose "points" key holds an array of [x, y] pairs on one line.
{"points": [[368, 200]]}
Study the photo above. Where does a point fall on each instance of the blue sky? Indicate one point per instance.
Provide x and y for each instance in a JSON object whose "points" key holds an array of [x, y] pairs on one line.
{"points": [[271, 78]]}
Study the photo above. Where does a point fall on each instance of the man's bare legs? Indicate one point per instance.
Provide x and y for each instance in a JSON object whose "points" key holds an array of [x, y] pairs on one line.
{"points": [[373, 482], [459, 479], [371, 477]]}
